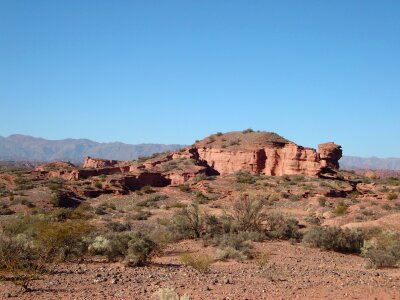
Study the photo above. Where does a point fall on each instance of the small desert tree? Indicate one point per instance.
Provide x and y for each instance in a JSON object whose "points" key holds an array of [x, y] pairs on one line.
{"points": [[248, 213]]}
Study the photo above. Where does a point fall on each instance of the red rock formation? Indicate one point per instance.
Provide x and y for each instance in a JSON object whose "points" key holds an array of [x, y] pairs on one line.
{"points": [[95, 163], [265, 153], [329, 154]]}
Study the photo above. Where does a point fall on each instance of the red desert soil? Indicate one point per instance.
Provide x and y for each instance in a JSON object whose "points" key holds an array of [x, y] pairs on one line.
{"points": [[292, 272]]}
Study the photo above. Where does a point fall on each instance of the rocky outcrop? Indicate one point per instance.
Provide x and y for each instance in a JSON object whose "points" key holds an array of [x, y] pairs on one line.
{"points": [[95, 163], [266, 154], [221, 154], [329, 154]]}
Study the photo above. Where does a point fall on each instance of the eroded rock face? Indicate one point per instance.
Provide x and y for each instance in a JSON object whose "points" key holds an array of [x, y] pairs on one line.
{"points": [[95, 163], [274, 157], [329, 154]]}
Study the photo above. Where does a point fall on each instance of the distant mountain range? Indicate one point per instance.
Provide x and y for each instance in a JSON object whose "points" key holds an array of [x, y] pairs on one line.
{"points": [[27, 148], [371, 163]]}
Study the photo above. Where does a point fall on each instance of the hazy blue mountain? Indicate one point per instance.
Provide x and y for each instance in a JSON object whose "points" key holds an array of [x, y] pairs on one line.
{"points": [[373, 163], [27, 148]]}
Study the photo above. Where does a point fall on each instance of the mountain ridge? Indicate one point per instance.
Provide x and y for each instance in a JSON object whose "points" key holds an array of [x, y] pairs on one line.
{"points": [[19, 147]]}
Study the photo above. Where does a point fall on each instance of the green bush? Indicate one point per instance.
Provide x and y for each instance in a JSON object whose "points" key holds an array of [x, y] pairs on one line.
{"points": [[134, 247], [62, 240], [185, 188], [334, 238], [248, 213], [200, 263], [119, 227], [190, 220], [383, 250], [248, 130], [244, 177], [230, 253], [392, 196], [104, 208], [340, 209], [5, 210], [98, 185], [201, 198], [20, 262], [152, 201], [280, 226]]}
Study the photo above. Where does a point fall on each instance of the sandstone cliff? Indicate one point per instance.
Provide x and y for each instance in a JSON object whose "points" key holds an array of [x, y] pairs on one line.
{"points": [[265, 153]]}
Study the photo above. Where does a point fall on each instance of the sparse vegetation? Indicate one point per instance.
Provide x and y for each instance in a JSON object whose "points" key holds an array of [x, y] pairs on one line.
{"points": [[334, 238], [200, 263], [382, 250]]}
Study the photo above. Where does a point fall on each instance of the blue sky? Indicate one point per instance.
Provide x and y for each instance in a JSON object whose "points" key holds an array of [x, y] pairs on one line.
{"points": [[176, 71]]}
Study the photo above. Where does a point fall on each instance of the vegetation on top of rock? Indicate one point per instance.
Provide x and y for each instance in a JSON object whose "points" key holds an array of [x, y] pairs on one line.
{"points": [[247, 137]]}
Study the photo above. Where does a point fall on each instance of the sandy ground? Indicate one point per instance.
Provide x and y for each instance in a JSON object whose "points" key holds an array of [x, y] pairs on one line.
{"points": [[292, 272]]}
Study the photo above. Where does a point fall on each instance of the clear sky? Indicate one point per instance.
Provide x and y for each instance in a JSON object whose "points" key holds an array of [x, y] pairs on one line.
{"points": [[176, 71]]}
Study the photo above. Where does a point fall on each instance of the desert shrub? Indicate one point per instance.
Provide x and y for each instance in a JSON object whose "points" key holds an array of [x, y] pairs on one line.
{"points": [[119, 227], [274, 197], [244, 177], [133, 247], [229, 253], [62, 199], [98, 185], [5, 210], [294, 197], [235, 245], [20, 262], [382, 250], [201, 198], [169, 294], [55, 184], [334, 238], [23, 183], [142, 159], [152, 201], [62, 240], [392, 196], [189, 221], [23, 201], [280, 226], [285, 195], [217, 225], [248, 130], [140, 215], [261, 259], [386, 206], [248, 213], [104, 208], [235, 143], [200, 177], [211, 140], [99, 246], [313, 219], [185, 188], [56, 240], [83, 212], [200, 263], [177, 204], [340, 209], [219, 134]]}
